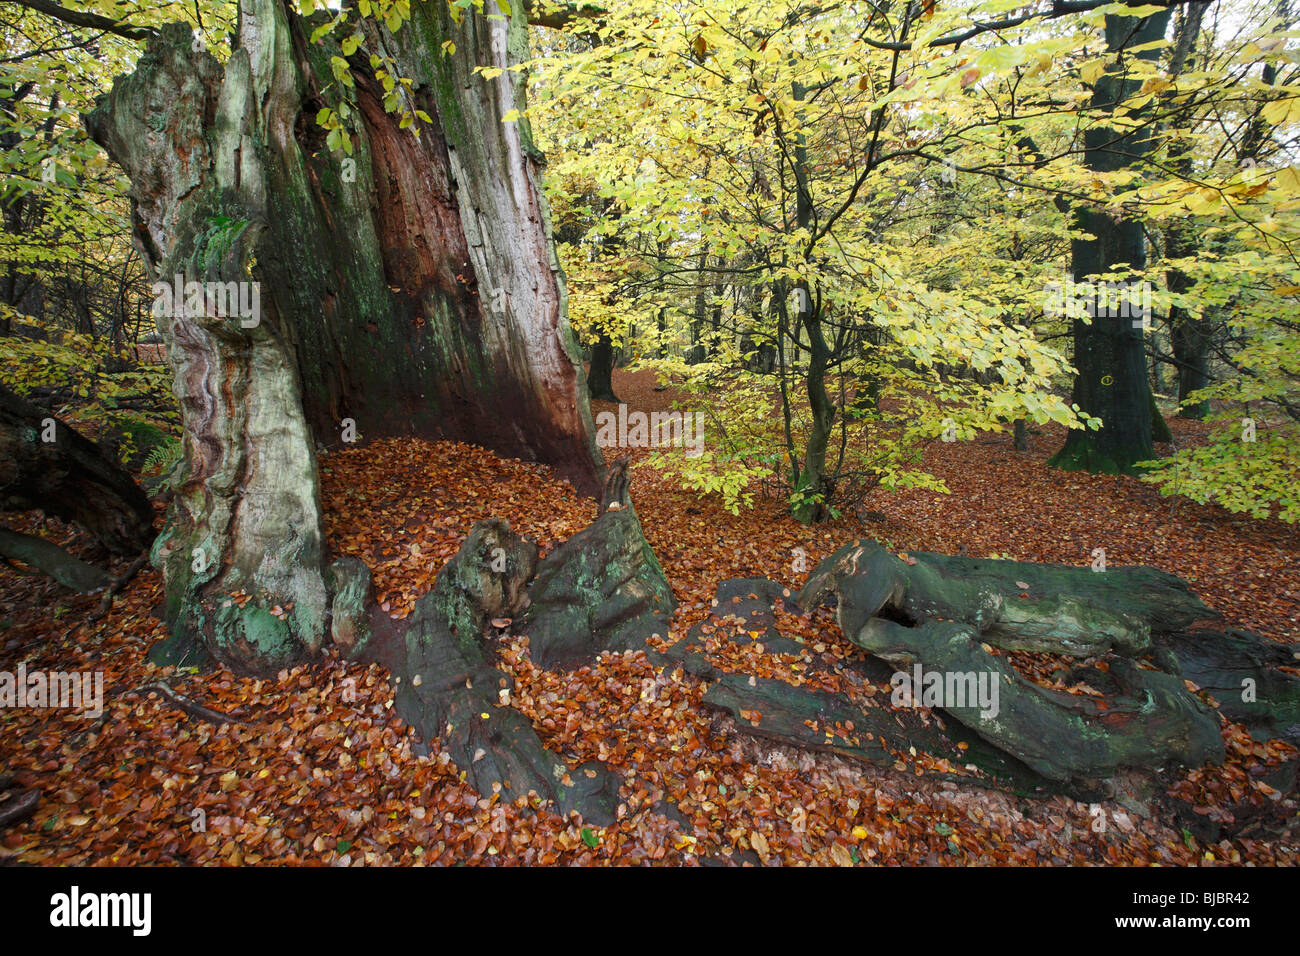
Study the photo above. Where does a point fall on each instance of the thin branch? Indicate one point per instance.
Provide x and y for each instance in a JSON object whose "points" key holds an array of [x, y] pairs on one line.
{"points": [[92, 21]]}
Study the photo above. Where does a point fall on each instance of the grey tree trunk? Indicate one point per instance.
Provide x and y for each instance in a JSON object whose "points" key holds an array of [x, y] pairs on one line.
{"points": [[1109, 351], [410, 288]]}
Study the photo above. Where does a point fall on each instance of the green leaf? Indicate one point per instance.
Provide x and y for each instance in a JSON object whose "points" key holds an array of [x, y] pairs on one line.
{"points": [[590, 838]]}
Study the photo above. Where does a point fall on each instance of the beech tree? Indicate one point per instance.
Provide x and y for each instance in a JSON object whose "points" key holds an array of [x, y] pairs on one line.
{"points": [[372, 174], [1109, 352], [342, 218]]}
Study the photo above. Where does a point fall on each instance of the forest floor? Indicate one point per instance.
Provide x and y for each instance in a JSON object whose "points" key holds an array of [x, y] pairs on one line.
{"points": [[318, 770]]}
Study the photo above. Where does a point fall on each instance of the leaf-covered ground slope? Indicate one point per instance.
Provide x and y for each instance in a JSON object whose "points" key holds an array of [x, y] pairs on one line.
{"points": [[319, 770]]}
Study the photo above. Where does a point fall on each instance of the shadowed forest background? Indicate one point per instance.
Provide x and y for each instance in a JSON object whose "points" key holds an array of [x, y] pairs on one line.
{"points": [[549, 433]]}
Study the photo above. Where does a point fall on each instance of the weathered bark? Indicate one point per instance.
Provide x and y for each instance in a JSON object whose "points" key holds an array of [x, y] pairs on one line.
{"points": [[1015, 605], [773, 711], [945, 616], [69, 477], [411, 288], [1109, 352], [1240, 671], [602, 590], [1147, 720]]}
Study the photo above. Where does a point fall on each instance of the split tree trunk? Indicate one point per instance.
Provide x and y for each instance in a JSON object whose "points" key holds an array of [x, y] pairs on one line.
{"points": [[411, 288]]}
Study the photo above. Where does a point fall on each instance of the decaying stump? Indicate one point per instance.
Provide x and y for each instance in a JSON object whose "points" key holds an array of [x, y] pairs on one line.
{"points": [[447, 687], [602, 590]]}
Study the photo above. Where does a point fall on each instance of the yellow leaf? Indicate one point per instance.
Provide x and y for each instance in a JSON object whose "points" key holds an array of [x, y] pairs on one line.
{"points": [[1092, 70], [1277, 112]]}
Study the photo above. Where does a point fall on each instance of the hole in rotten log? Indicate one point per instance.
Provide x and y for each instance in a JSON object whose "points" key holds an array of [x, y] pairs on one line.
{"points": [[897, 615]]}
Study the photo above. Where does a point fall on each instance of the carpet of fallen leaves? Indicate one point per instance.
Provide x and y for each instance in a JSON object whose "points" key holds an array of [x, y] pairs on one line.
{"points": [[316, 768]]}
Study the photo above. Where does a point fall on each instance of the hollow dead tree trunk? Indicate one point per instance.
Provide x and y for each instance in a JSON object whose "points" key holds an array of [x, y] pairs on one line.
{"points": [[410, 288]]}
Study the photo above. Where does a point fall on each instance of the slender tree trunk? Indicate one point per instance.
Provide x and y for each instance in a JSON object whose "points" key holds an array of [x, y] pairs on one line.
{"points": [[1159, 427], [1189, 338], [410, 288], [1021, 438], [812, 481], [698, 352]]}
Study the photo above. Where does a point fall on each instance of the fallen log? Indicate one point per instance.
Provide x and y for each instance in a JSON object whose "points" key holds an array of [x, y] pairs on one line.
{"points": [[772, 711], [1240, 671], [942, 617], [1045, 608], [47, 465], [67, 569], [1145, 718]]}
